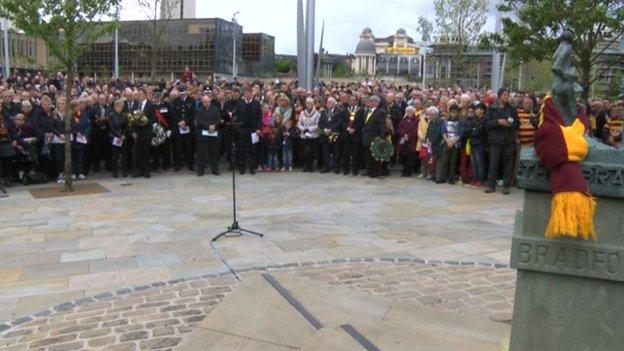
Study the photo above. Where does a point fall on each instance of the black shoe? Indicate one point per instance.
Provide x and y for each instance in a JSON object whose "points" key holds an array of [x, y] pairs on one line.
{"points": [[506, 190], [325, 171], [200, 173], [176, 169], [115, 175], [137, 175], [440, 181], [451, 181], [241, 172], [217, 173], [489, 189], [147, 176], [191, 168], [125, 175], [252, 172], [373, 176]]}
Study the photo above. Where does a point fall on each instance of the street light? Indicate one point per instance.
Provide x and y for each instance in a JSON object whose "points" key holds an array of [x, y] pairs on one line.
{"points": [[117, 43], [7, 68], [234, 47]]}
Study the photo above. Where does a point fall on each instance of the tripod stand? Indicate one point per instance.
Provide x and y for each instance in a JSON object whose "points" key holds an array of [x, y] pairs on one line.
{"points": [[235, 228]]}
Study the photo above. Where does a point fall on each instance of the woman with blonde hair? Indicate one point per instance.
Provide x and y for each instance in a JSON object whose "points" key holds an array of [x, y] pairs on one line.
{"points": [[308, 132]]}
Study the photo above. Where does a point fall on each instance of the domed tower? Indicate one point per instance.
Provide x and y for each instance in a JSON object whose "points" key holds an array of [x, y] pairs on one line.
{"points": [[365, 53]]}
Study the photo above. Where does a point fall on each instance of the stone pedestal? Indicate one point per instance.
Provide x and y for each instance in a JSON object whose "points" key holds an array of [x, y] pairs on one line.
{"points": [[570, 293]]}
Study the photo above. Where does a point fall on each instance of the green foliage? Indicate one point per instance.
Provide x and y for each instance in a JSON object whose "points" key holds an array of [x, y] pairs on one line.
{"points": [[616, 86], [341, 70], [66, 26], [531, 29], [284, 65], [425, 28], [461, 20]]}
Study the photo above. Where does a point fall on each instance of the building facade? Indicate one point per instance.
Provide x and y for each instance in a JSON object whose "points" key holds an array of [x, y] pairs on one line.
{"points": [[258, 53], [25, 52], [395, 55], [177, 9], [204, 45]]}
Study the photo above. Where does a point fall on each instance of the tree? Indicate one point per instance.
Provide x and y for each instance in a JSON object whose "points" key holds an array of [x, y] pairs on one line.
{"points": [[616, 86], [531, 29], [68, 27], [425, 27], [283, 65], [158, 13], [459, 24]]}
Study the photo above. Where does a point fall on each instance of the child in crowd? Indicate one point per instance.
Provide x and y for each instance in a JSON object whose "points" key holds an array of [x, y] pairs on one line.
{"points": [[265, 135], [475, 130], [451, 144], [273, 145], [288, 134]]}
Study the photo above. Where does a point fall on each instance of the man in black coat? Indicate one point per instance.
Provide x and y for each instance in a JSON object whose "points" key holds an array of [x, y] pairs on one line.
{"points": [[207, 122], [142, 135], [501, 123], [227, 111], [248, 114], [352, 142], [100, 143], [331, 125], [374, 126], [182, 117]]}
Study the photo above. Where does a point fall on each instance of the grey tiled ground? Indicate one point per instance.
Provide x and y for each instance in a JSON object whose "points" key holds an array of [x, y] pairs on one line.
{"points": [[55, 250], [159, 316]]}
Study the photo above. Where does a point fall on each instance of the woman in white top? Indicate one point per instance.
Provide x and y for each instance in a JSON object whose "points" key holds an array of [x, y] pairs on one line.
{"points": [[308, 132]]}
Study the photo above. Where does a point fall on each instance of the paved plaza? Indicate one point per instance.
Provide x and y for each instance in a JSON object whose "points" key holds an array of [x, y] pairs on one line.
{"points": [[59, 250]]}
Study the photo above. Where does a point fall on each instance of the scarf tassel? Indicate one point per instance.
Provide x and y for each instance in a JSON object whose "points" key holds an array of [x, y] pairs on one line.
{"points": [[572, 215]]}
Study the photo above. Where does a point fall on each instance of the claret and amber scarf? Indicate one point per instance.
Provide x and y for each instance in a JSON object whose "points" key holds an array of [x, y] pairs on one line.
{"points": [[561, 148]]}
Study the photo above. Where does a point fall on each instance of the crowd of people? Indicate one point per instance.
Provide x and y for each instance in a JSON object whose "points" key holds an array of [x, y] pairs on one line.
{"points": [[135, 128]]}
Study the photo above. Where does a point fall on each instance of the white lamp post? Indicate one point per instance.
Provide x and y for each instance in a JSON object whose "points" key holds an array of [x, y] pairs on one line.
{"points": [[234, 47]]}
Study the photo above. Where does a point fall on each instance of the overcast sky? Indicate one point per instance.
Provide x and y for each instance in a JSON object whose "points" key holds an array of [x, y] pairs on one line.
{"points": [[344, 19]]}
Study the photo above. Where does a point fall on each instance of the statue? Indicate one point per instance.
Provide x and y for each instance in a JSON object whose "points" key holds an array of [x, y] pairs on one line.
{"points": [[565, 88], [569, 283], [564, 83]]}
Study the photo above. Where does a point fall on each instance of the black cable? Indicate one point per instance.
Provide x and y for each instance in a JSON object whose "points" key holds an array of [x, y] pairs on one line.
{"points": [[224, 261]]}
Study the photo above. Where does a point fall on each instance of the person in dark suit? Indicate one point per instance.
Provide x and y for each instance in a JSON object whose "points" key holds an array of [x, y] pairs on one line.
{"points": [[207, 122], [182, 117], [352, 141], [227, 108], [248, 112], [374, 126], [100, 146], [330, 126], [120, 144], [142, 135]]}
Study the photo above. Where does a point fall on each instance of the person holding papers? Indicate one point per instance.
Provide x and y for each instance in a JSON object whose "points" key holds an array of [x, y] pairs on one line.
{"points": [[81, 127], [248, 115], [207, 121]]}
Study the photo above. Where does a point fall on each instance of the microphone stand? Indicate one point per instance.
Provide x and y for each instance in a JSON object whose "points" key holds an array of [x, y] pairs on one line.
{"points": [[235, 228]]}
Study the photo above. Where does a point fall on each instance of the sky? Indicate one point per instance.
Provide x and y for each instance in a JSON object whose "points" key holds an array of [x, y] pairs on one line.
{"points": [[344, 19]]}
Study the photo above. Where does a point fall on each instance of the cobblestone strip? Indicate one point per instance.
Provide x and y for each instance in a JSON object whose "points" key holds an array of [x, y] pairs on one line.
{"points": [[156, 316]]}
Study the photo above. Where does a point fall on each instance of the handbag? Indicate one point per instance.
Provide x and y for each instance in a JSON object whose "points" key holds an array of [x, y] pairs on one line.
{"points": [[424, 151]]}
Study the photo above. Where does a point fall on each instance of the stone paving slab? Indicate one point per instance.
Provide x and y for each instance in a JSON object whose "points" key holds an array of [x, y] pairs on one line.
{"points": [[159, 315], [166, 223]]}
